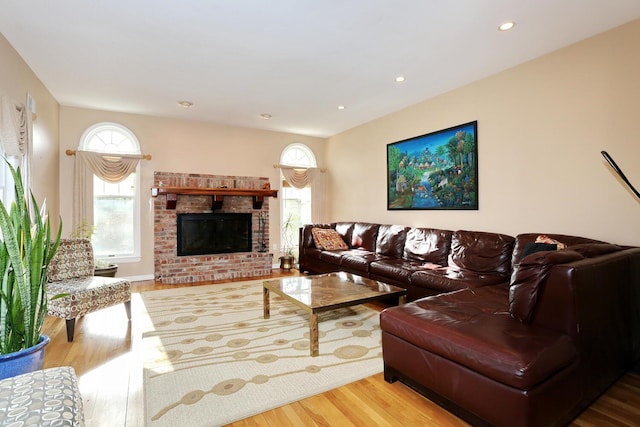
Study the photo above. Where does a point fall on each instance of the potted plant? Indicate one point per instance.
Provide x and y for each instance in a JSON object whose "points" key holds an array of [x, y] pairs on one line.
{"points": [[26, 247], [288, 227]]}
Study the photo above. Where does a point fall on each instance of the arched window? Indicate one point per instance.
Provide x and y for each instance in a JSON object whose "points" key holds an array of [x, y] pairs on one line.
{"points": [[115, 205], [298, 154], [295, 208]]}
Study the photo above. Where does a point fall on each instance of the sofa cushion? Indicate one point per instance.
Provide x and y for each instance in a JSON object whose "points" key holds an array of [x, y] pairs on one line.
{"points": [[472, 327], [590, 250], [332, 257], [481, 252], [364, 236], [399, 269], [328, 239], [345, 229], [358, 260], [390, 240], [528, 281], [427, 245], [447, 279]]}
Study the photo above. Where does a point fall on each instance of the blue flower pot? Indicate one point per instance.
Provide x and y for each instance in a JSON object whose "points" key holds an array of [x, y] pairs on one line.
{"points": [[23, 361]]}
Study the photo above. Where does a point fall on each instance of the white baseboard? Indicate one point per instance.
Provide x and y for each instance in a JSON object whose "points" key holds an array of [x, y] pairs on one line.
{"points": [[139, 278]]}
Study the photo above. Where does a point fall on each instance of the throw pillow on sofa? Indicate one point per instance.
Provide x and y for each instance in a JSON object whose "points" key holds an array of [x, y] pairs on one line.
{"points": [[528, 281], [328, 239]]}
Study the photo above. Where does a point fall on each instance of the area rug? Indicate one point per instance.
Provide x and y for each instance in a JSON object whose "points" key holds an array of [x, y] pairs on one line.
{"points": [[210, 358]]}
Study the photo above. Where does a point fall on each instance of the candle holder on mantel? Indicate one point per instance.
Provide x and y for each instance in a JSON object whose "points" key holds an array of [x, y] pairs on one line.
{"points": [[262, 225]]}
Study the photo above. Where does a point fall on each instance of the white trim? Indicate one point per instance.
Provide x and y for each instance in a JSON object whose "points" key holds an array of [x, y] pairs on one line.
{"points": [[302, 147], [91, 131], [139, 278]]}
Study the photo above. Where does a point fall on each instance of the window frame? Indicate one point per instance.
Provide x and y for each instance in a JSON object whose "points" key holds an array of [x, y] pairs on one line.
{"points": [[312, 163], [85, 141]]}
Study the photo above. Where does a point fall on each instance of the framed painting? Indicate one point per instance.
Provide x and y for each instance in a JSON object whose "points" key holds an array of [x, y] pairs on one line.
{"points": [[438, 170]]}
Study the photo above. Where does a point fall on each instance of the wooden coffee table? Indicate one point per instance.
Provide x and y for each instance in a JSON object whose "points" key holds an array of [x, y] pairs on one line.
{"points": [[325, 292]]}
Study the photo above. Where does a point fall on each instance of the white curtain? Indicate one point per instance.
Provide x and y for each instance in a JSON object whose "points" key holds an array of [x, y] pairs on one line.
{"points": [[298, 177], [319, 199], [14, 127], [16, 137], [108, 167], [314, 178]]}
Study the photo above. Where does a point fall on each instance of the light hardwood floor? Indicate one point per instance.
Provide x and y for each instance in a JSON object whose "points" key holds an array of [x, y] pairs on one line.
{"points": [[106, 357]]}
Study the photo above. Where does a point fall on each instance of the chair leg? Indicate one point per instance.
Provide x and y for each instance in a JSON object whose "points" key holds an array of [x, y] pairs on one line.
{"points": [[127, 307], [71, 327]]}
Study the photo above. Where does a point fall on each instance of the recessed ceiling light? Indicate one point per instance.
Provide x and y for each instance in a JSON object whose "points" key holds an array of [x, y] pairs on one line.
{"points": [[341, 107], [506, 26], [265, 116], [185, 104], [399, 79]]}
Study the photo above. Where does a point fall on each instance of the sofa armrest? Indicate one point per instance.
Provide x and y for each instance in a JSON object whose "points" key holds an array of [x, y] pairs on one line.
{"points": [[597, 302]]}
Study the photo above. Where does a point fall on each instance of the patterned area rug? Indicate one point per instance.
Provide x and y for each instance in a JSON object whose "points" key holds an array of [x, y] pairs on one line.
{"points": [[210, 358]]}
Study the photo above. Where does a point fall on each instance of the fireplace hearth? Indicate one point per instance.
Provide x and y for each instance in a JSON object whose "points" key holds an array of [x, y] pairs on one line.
{"points": [[228, 259]]}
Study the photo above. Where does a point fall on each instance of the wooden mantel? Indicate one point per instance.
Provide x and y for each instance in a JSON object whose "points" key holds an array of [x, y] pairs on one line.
{"points": [[217, 194]]}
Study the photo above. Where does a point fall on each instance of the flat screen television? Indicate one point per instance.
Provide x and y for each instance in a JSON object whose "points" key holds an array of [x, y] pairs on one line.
{"points": [[213, 233]]}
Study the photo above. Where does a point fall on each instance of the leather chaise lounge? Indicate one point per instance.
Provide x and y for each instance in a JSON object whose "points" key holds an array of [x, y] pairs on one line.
{"points": [[499, 330]]}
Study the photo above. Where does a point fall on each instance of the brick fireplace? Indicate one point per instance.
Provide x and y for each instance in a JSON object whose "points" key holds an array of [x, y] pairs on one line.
{"points": [[173, 269]]}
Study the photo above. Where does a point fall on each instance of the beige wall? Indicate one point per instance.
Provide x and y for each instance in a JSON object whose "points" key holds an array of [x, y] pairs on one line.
{"points": [[181, 146], [16, 80], [541, 127]]}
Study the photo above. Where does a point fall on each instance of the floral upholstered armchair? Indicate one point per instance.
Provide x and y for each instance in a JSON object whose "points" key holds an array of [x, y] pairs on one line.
{"points": [[71, 273]]}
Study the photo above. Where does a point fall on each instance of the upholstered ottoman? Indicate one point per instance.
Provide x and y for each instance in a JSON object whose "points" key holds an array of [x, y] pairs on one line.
{"points": [[48, 397]]}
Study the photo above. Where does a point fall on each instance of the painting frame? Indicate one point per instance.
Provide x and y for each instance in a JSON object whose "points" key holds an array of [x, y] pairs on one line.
{"points": [[434, 171]]}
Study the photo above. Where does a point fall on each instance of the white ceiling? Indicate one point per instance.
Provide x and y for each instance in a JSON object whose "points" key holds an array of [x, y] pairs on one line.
{"points": [[294, 59]]}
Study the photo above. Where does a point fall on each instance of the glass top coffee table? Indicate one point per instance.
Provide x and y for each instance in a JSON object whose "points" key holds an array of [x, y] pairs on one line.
{"points": [[325, 292]]}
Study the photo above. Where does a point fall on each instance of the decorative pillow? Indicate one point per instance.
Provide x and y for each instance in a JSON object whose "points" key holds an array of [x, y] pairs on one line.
{"points": [[548, 240], [328, 239]]}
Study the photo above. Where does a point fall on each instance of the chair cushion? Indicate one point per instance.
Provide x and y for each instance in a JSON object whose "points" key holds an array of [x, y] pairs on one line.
{"points": [[74, 258], [86, 295]]}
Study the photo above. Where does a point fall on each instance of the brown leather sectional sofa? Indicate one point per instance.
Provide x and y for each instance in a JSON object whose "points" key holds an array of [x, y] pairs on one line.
{"points": [[494, 336]]}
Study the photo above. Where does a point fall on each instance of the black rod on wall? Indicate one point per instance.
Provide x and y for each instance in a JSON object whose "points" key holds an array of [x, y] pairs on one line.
{"points": [[621, 174]]}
